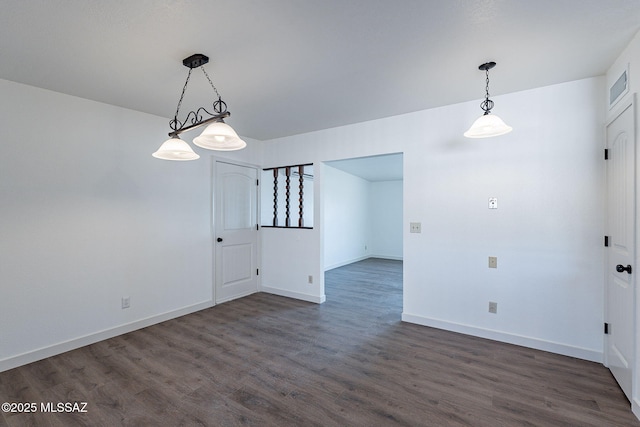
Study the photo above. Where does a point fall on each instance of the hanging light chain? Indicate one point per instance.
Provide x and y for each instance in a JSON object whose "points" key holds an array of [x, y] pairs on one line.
{"points": [[487, 88], [197, 117], [210, 82], [175, 118], [219, 106], [487, 104]]}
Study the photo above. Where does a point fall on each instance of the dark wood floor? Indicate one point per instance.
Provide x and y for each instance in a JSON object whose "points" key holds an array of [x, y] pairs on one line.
{"points": [[270, 361]]}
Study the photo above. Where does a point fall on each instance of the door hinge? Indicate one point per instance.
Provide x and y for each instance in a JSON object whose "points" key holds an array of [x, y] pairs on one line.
{"points": [[606, 154], [606, 241], [606, 328], [257, 182], [257, 271]]}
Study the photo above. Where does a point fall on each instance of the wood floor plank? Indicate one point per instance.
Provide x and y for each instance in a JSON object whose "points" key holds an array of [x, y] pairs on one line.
{"points": [[266, 360]]}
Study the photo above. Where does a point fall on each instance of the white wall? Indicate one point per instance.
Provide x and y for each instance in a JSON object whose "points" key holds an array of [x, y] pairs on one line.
{"points": [[385, 209], [631, 57], [87, 217], [547, 232], [288, 259], [347, 219]]}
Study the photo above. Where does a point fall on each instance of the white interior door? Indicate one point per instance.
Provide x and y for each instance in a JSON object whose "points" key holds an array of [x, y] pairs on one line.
{"points": [[620, 266], [236, 234]]}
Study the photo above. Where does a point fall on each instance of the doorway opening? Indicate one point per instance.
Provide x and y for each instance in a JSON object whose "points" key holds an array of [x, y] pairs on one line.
{"points": [[363, 210]]}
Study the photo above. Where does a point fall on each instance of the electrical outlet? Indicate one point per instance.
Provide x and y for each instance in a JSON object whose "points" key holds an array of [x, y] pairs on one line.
{"points": [[493, 307], [493, 262], [310, 280], [126, 302], [415, 227], [493, 203]]}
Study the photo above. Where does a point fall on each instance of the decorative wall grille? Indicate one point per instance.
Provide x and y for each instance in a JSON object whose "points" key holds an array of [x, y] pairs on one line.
{"points": [[285, 180]]}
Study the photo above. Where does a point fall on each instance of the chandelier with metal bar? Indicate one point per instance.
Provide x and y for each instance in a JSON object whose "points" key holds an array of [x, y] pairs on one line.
{"points": [[488, 124], [216, 136]]}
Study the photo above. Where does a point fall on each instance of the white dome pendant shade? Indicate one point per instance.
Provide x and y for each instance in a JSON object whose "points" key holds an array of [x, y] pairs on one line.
{"points": [[175, 149], [219, 136], [486, 126]]}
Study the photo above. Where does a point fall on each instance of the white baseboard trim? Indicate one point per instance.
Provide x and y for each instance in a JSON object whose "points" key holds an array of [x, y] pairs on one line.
{"points": [[391, 257], [295, 295], [635, 408], [43, 353], [343, 263], [538, 344], [362, 258], [246, 294]]}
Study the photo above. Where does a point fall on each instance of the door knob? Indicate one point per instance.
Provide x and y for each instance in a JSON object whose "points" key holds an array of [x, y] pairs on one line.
{"points": [[620, 268], [219, 239]]}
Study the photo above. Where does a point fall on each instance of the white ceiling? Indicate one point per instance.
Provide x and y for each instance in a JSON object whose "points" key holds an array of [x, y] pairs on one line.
{"points": [[387, 167], [291, 66]]}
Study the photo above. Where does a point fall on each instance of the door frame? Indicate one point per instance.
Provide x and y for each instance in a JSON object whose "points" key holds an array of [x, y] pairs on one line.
{"points": [[215, 159], [628, 101]]}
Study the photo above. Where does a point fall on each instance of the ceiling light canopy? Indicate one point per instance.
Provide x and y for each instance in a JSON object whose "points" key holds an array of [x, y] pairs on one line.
{"points": [[488, 124], [217, 135]]}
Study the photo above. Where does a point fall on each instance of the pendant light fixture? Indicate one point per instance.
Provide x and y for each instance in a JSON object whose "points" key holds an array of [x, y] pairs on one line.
{"points": [[488, 124], [216, 136]]}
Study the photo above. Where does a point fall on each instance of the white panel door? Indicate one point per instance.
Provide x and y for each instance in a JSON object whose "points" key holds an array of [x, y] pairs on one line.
{"points": [[621, 252], [236, 234]]}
